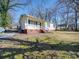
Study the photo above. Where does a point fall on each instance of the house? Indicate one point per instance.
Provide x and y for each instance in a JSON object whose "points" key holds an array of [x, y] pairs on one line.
{"points": [[69, 27], [61, 27], [30, 24]]}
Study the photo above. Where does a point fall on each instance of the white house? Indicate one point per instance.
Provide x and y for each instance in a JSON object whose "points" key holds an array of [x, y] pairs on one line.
{"points": [[30, 24]]}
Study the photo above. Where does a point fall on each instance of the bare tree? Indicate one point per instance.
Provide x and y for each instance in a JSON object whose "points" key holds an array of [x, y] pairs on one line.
{"points": [[41, 11], [66, 8]]}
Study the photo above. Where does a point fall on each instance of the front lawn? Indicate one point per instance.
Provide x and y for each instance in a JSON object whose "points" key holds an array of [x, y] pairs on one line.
{"points": [[53, 45]]}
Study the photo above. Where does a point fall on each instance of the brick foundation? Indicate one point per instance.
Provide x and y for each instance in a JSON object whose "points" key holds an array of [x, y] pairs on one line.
{"points": [[31, 31]]}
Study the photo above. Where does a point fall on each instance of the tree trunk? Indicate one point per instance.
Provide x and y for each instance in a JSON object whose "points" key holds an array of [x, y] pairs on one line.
{"points": [[75, 19]]}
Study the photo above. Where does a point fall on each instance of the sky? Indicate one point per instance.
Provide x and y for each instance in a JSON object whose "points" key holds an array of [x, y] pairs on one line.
{"points": [[25, 9]]}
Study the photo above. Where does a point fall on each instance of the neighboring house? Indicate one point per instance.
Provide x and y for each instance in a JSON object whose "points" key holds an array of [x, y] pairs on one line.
{"points": [[69, 27], [30, 24], [61, 27]]}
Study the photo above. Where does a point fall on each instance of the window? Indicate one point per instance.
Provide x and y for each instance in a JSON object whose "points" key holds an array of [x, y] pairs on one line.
{"points": [[40, 24], [29, 21], [36, 23]]}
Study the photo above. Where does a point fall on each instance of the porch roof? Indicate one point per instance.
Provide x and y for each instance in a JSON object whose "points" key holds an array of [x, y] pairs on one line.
{"points": [[34, 19]]}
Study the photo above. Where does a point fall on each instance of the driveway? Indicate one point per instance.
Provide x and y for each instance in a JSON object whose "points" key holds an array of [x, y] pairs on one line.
{"points": [[7, 35]]}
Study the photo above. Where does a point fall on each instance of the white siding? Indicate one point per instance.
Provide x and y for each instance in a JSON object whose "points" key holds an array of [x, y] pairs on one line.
{"points": [[31, 26], [51, 27]]}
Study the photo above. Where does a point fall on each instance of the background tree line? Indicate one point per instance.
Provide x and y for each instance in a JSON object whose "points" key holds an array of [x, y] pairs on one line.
{"points": [[65, 12], [69, 13]]}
